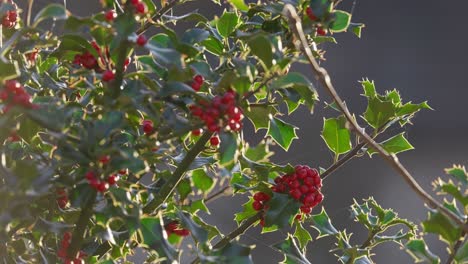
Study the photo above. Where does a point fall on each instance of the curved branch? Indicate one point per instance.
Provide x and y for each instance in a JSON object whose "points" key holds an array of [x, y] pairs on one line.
{"points": [[324, 78], [158, 15]]}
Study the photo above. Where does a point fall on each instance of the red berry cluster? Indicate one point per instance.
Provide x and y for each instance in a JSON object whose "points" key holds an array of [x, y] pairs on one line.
{"points": [[62, 198], [303, 185], [147, 126], [197, 82], [174, 228], [140, 7], [102, 64], [11, 16], [310, 13], [220, 112], [62, 253], [13, 94], [103, 185]]}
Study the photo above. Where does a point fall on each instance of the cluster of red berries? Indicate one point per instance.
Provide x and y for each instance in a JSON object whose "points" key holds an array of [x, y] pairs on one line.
{"points": [[62, 253], [140, 6], [147, 126], [11, 16], [303, 185], [197, 82], [14, 94], [174, 228], [62, 197], [102, 64], [311, 15], [219, 113], [103, 185], [110, 15]]}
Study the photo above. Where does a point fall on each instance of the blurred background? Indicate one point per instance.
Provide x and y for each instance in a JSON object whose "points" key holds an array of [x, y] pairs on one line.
{"points": [[418, 47]]}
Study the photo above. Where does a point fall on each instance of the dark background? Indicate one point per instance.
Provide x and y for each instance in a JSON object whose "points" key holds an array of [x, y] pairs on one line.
{"points": [[418, 47]]}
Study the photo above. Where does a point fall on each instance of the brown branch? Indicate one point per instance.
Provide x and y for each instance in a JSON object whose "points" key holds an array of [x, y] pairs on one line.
{"points": [[324, 78], [217, 194]]}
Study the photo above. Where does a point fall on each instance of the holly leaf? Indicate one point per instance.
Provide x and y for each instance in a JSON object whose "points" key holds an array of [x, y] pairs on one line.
{"points": [[239, 4], [292, 253], [393, 145], [199, 233], [420, 252], [336, 135], [228, 148], [439, 224], [321, 222], [459, 172], [247, 212], [341, 21], [281, 132], [282, 208], [261, 47], [227, 23], [153, 238], [202, 181], [52, 11], [302, 235]]}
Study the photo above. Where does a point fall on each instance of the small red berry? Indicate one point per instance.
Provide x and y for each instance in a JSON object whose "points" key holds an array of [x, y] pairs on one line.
{"points": [[321, 31], [90, 175], [306, 209], [295, 193], [304, 189], [140, 8], [197, 132], [141, 40], [147, 126], [196, 86], [102, 187], [111, 15], [112, 179], [108, 76], [104, 159], [298, 217], [257, 206], [214, 141], [310, 14], [198, 79], [318, 198], [123, 171]]}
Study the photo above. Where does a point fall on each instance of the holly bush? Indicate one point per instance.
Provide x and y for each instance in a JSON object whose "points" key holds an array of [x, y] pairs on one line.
{"points": [[115, 139]]}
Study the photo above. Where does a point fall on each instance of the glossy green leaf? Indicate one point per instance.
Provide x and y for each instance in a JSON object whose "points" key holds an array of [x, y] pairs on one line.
{"points": [[322, 223], [227, 24], [357, 29], [202, 181], [239, 4], [52, 11], [258, 115], [247, 212], [228, 148], [336, 135], [394, 145], [197, 232], [261, 47], [281, 132], [282, 208], [291, 251], [302, 235], [8, 71], [341, 21], [153, 238], [439, 224], [458, 172], [420, 252]]}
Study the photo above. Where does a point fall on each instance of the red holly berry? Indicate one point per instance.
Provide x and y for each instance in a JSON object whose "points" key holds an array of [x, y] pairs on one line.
{"points": [[90, 175], [257, 206], [102, 186], [31, 56], [214, 141], [321, 31], [111, 15], [198, 79], [196, 86], [104, 159], [310, 14], [112, 179], [197, 132], [11, 16], [141, 40], [108, 76], [298, 217], [140, 8], [147, 126], [123, 171]]}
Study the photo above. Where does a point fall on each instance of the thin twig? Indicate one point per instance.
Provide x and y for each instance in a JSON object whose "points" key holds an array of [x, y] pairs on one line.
{"points": [[158, 15], [456, 247], [324, 78], [217, 194]]}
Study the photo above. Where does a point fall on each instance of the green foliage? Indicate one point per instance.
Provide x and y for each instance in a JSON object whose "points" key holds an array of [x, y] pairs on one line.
{"points": [[100, 136]]}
